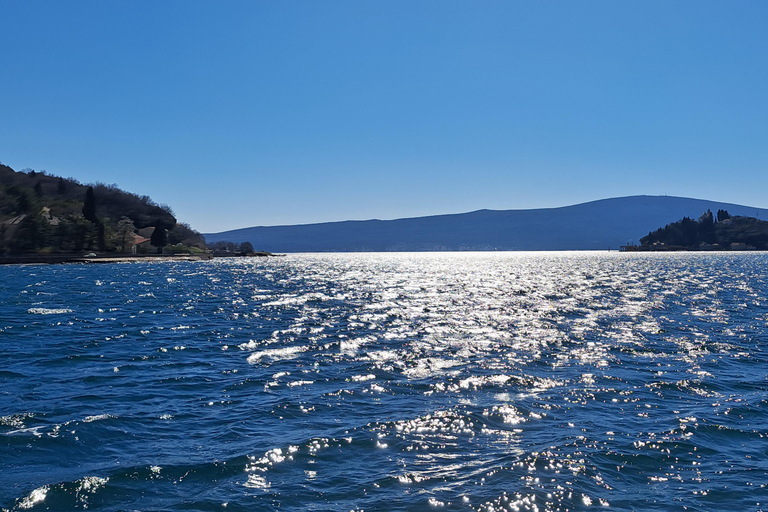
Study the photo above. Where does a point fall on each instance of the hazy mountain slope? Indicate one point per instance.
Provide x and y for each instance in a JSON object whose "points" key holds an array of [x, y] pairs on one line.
{"points": [[603, 224]]}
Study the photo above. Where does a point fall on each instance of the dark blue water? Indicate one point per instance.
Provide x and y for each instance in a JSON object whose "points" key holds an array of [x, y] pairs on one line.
{"points": [[494, 381]]}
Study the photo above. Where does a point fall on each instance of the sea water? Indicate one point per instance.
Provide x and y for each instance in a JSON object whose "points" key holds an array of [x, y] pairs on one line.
{"points": [[377, 382]]}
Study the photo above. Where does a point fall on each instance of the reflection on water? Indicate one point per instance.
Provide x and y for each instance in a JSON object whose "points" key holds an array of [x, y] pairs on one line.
{"points": [[456, 381]]}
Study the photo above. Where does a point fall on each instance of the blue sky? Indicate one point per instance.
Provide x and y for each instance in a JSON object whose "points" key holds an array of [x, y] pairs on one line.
{"points": [[280, 112]]}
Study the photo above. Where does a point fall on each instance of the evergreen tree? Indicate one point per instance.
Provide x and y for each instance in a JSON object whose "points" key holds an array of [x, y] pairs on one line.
{"points": [[159, 238], [89, 207], [3, 230], [707, 227], [690, 233], [31, 235], [63, 237], [24, 203], [83, 233], [101, 239]]}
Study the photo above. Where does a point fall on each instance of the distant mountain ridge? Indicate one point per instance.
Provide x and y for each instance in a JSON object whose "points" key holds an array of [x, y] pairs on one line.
{"points": [[596, 225]]}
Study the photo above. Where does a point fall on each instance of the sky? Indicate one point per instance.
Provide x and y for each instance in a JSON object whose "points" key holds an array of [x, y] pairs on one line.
{"points": [[256, 113]]}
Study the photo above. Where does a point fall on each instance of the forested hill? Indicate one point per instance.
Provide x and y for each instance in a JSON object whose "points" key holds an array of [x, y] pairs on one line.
{"points": [[709, 232], [40, 212]]}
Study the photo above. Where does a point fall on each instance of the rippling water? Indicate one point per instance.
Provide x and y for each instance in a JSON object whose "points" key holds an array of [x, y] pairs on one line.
{"points": [[493, 381]]}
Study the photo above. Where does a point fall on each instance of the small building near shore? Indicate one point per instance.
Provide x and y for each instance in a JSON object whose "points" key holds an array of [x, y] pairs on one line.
{"points": [[140, 244]]}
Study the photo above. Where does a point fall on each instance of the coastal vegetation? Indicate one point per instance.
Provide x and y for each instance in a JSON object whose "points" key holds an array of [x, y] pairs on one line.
{"points": [[41, 213], [226, 248], [709, 232]]}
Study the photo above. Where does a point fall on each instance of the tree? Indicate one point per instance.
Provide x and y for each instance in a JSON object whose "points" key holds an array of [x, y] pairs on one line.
{"points": [[707, 227], [24, 203], [124, 233], [74, 233], [103, 233], [159, 238], [245, 249], [38, 188], [689, 229], [61, 187], [89, 207], [722, 215], [3, 231], [31, 235]]}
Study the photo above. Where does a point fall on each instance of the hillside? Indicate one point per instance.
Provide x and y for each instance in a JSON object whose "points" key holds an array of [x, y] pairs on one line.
{"points": [[709, 232], [40, 212], [597, 225]]}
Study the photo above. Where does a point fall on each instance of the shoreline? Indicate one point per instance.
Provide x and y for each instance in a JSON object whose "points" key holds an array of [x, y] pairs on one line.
{"points": [[55, 259], [52, 259]]}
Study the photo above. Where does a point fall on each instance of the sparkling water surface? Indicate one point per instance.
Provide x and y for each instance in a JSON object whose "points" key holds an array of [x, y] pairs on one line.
{"points": [[430, 381]]}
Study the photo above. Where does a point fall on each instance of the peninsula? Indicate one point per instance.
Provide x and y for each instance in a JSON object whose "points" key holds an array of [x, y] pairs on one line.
{"points": [[709, 232]]}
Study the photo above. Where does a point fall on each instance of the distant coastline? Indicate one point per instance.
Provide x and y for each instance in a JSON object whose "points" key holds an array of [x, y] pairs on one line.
{"points": [[597, 225]]}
